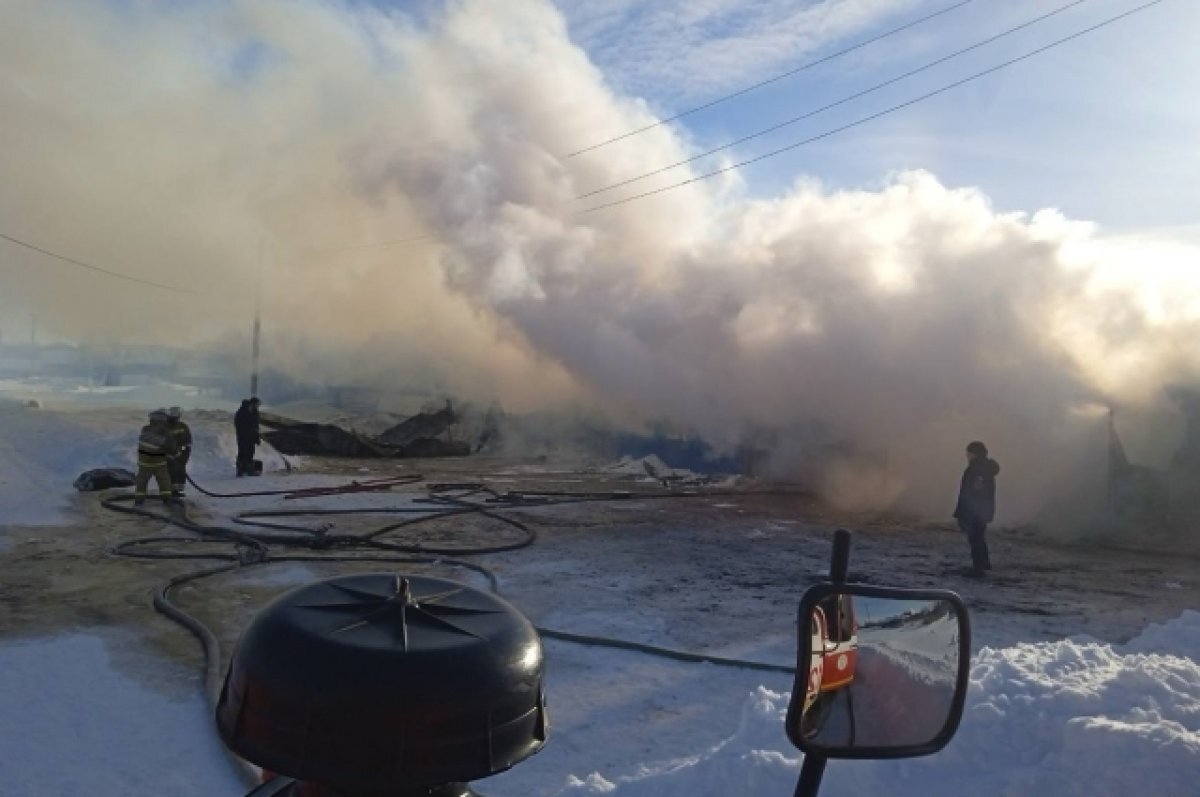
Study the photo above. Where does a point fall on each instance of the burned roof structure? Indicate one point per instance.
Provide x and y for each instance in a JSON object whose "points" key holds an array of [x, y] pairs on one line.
{"points": [[418, 436]]}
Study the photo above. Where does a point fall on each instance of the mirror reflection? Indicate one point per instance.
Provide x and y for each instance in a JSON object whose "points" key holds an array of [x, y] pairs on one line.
{"points": [[881, 671]]}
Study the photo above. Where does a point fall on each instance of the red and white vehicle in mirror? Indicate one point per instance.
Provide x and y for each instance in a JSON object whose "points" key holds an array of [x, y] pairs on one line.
{"points": [[834, 647]]}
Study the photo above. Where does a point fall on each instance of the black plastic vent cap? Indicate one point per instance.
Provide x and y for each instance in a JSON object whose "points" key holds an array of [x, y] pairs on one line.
{"points": [[382, 681]]}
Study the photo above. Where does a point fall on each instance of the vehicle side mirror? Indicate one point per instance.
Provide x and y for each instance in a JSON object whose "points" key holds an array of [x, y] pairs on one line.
{"points": [[880, 673]]}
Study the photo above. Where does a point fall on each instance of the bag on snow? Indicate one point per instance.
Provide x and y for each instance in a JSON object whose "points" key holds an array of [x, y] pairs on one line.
{"points": [[104, 479]]}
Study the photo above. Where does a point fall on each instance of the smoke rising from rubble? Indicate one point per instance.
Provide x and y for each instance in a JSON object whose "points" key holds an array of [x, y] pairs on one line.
{"points": [[861, 338]]}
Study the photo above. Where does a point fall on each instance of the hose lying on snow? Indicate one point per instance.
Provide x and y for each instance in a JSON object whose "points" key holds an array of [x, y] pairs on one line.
{"points": [[254, 548]]}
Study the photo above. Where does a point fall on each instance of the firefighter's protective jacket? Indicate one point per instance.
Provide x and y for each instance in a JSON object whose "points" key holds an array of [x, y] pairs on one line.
{"points": [[182, 434], [156, 444]]}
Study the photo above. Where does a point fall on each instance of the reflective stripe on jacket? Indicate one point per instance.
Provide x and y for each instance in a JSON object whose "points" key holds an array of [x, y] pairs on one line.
{"points": [[156, 442]]}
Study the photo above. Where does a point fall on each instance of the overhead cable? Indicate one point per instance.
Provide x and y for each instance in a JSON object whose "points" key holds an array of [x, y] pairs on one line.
{"points": [[885, 112], [836, 103], [771, 80], [100, 269]]}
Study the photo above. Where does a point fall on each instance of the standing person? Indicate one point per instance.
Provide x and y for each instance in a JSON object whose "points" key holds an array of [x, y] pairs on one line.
{"points": [[977, 503], [245, 422], [156, 447], [183, 443]]}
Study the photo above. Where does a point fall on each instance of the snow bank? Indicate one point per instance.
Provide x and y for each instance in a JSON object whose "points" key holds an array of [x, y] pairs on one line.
{"points": [[1076, 717], [66, 393], [42, 453], [103, 733], [756, 760], [652, 469], [640, 466]]}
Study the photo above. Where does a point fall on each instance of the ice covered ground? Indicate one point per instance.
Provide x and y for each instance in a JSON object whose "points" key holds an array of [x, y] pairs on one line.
{"points": [[95, 710]]}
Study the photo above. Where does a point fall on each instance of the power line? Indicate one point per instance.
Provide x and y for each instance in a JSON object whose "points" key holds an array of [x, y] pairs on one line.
{"points": [[771, 80], [100, 269], [836, 103], [873, 116], [177, 289]]}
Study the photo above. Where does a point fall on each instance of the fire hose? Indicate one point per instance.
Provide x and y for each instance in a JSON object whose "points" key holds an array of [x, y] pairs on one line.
{"points": [[253, 548]]}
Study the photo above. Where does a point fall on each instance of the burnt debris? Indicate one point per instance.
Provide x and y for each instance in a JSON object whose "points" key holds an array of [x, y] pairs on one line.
{"points": [[427, 434]]}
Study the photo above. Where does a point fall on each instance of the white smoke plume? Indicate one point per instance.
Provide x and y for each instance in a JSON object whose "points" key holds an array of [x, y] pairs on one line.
{"points": [[863, 337]]}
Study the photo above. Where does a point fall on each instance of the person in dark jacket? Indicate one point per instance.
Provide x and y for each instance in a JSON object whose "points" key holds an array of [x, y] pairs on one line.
{"points": [[977, 503], [245, 422]]}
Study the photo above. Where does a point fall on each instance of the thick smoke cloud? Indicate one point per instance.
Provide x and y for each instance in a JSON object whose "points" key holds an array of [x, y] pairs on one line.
{"points": [[197, 144], [861, 337]]}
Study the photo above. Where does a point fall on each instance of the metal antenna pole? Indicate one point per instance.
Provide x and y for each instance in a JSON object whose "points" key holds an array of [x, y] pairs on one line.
{"points": [[839, 564], [34, 357], [813, 768], [254, 346], [810, 775]]}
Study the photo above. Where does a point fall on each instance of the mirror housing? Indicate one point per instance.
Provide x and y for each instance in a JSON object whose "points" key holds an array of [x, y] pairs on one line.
{"points": [[854, 653]]}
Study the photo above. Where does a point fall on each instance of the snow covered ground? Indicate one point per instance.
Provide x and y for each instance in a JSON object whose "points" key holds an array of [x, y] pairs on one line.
{"points": [[61, 393], [43, 449], [1075, 717], [76, 723], [102, 697]]}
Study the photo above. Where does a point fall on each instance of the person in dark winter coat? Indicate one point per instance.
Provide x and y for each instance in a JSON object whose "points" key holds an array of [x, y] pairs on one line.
{"points": [[245, 422], [977, 503]]}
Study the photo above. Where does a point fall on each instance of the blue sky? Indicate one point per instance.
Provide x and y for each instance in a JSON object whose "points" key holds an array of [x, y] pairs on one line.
{"points": [[1105, 128]]}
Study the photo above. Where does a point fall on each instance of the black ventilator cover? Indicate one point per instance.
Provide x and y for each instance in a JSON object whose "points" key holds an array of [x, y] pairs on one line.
{"points": [[381, 682]]}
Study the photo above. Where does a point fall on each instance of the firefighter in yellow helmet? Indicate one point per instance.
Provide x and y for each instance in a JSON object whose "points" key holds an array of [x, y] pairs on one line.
{"points": [[156, 445], [183, 444]]}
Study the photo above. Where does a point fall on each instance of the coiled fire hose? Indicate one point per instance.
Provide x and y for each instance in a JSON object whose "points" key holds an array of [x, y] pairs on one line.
{"points": [[254, 548]]}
